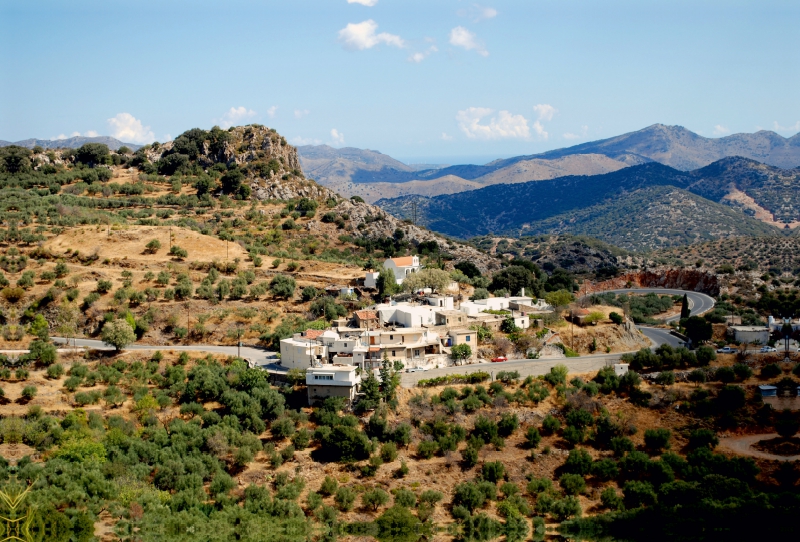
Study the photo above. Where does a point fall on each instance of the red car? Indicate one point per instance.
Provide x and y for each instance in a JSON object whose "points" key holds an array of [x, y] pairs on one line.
{"points": [[500, 359]]}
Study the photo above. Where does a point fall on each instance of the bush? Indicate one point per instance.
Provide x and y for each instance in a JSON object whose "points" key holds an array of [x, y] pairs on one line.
{"points": [[572, 484], [329, 486], [611, 500], [700, 438], [55, 371], [374, 498], [406, 498], [282, 286], [616, 318], [550, 424], [621, 445], [770, 371], [178, 252], [533, 437], [742, 371], [153, 246], [578, 462], [639, 494], [344, 499], [657, 439], [29, 392], [493, 471]]}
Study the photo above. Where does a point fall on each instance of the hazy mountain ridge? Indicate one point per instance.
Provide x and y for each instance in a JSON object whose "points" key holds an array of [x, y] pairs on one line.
{"points": [[683, 149], [71, 143], [623, 207], [367, 173]]}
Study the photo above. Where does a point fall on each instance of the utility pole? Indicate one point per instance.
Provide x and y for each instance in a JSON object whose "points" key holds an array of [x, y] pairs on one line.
{"points": [[414, 209], [239, 341]]}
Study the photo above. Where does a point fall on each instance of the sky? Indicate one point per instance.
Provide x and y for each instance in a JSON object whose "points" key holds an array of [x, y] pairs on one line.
{"points": [[425, 81]]}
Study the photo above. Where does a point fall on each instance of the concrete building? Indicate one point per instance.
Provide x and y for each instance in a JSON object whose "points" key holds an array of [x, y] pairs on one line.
{"points": [[413, 347], [366, 319], [300, 352], [402, 266], [332, 380], [620, 368], [750, 334], [371, 279], [450, 318]]}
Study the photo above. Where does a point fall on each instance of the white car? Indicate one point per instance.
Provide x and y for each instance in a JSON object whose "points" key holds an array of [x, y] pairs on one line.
{"points": [[765, 349], [726, 350]]}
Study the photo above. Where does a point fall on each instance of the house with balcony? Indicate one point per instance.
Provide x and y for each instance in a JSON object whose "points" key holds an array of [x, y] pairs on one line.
{"points": [[332, 380]]}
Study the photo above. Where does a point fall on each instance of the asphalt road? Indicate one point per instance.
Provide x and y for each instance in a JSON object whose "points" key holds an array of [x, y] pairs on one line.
{"points": [[249, 353], [698, 303]]}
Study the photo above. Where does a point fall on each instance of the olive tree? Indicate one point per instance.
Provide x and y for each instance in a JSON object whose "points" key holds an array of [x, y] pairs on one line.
{"points": [[118, 333], [435, 279]]}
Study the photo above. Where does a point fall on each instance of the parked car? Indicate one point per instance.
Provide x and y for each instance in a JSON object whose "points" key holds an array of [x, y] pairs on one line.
{"points": [[414, 370], [499, 359], [726, 350], [765, 349]]}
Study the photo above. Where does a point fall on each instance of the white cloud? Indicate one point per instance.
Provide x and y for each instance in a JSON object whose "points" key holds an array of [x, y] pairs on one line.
{"points": [[167, 137], [478, 13], [368, 3], [128, 128], [461, 37], [235, 115], [504, 125], [304, 141], [300, 113], [419, 57], [91, 133], [360, 36], [271, 111], [793, 128], [540, 131], [581, 135], [337, 137], [446, 137], [721, 130], [545, 111]]}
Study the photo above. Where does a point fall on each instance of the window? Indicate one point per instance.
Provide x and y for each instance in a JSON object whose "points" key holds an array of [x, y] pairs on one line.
{"points": [[467, 338], [393, 354], [391, 337], [323, 377]]}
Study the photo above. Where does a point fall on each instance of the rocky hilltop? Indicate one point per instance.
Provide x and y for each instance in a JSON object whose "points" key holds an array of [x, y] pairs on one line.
{"points": [[272, 169]]}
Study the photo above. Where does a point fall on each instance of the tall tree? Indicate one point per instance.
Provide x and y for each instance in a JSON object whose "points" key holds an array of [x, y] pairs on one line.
{"points": [[685, 312]]}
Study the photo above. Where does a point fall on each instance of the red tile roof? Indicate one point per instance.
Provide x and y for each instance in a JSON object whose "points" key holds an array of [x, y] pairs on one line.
{"points": [[405, 261], [313, 333], [367, 315]]}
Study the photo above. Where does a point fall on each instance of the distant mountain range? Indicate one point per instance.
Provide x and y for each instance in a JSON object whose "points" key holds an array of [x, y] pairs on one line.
{"points": [[373, 175], [638, 207], [71, 143]]}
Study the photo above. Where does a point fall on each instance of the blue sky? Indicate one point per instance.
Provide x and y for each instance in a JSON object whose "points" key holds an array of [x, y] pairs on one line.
{"points": [[436, 80]]}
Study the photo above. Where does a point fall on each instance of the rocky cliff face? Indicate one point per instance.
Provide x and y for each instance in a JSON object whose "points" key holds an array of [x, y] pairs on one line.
{"points": [[681, 279]]}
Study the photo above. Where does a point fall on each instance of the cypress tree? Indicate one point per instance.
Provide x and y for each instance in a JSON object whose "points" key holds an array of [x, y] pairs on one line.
{"points": [[685, 312]]}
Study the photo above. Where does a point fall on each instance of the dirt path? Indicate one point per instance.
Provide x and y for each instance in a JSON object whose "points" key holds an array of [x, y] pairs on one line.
{"points": [[744, 446]]}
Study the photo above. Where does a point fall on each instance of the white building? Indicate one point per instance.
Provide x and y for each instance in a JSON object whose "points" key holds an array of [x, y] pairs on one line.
{"points": [[332, 380], [371, 279], [402, 266], [300, 352], [750, 334]]}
